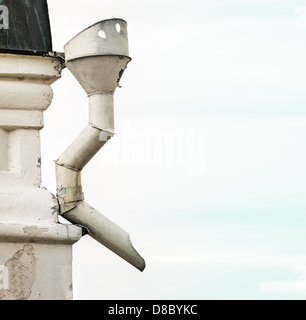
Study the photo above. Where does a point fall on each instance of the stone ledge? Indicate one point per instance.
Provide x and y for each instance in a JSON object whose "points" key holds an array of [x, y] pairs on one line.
{"points": [[31, 95], [47, 69], [40, 234]]}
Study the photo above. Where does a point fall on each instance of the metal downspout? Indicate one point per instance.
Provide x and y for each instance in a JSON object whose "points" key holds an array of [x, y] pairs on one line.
{"points": [[100, 87]]}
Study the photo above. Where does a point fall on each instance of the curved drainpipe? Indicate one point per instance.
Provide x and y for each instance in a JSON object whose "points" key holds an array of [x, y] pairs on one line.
{"points": [[98, 64]]}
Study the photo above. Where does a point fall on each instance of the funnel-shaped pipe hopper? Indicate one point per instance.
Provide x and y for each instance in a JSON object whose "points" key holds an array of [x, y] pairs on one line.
{"points": [[97, 58]]}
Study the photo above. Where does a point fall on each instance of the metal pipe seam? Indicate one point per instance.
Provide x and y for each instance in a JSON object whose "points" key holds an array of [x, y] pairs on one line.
{"points": [[69, 167], [82, 149]]}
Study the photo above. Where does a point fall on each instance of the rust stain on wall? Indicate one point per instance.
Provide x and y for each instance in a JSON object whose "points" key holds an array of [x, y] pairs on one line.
{"points": [[22, 274]]}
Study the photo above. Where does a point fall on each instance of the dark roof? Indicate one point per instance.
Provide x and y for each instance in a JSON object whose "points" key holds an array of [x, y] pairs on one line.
{"points": [[26, 28]]}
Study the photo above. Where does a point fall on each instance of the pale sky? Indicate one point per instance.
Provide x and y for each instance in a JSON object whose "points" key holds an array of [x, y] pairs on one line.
{"points": [[207, 169]]}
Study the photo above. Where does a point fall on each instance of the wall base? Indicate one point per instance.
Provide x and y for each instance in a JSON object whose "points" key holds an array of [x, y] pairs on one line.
{"points": [[39, 265]]}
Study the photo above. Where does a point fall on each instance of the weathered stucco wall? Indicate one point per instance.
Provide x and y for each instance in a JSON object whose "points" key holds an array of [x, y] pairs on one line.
{"points": [[36, 272], [35, 250]]}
